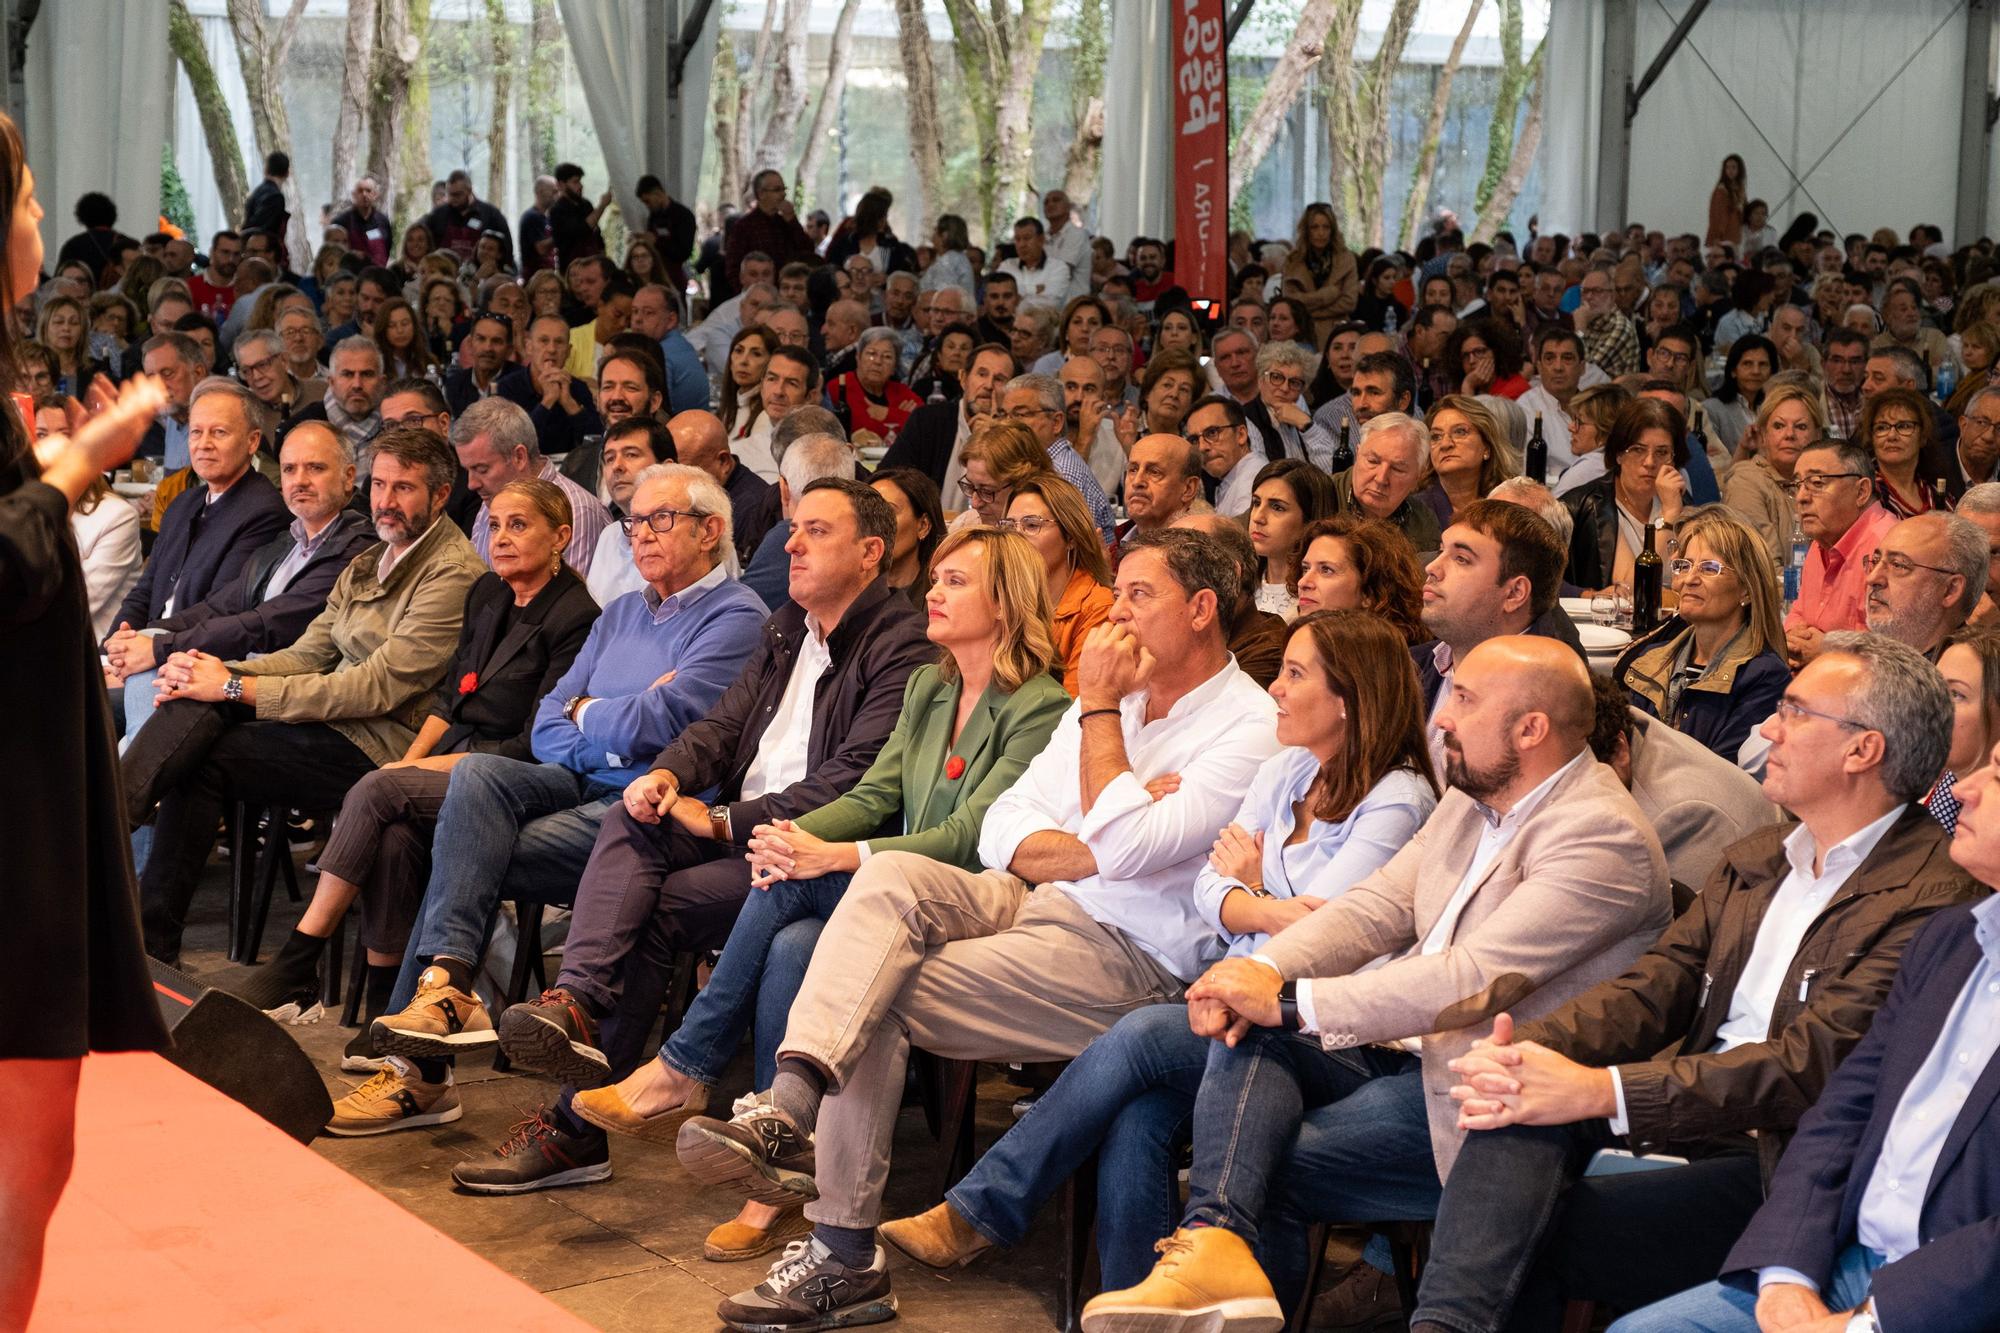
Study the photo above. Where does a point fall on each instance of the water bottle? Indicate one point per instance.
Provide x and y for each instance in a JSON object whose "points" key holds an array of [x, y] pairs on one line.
{"points": [[937, 392], [1795, 565], [1947, 379], [1389, 319]]}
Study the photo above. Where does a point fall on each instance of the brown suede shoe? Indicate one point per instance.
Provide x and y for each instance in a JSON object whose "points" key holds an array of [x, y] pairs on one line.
{"points": [[606, 1109], [1206, 1281], [733, 1240], [939, 1238]]}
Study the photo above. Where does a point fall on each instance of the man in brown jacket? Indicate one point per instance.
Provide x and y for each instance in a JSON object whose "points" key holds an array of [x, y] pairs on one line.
{"points": [[298, 727], [1728, 1028], [1536, 878]]}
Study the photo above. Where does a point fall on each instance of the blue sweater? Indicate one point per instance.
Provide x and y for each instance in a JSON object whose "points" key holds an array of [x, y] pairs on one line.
{"points": [[705, 642]]}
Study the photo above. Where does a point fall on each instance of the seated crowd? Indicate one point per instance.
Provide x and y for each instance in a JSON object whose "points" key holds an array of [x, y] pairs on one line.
{"points": [[1004, 657]]}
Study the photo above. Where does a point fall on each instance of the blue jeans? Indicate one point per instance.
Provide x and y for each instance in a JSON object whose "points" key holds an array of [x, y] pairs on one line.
{"points": [[1716, 1308], [507, 829], [135, 697], [761, 969], [1129, 1098]]}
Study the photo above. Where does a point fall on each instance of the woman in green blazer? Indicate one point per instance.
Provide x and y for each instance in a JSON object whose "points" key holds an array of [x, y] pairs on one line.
{"points": [[969, 726]]}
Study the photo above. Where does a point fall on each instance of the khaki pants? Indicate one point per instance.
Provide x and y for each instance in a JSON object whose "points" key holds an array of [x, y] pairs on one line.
{"points": [[969, 967]]}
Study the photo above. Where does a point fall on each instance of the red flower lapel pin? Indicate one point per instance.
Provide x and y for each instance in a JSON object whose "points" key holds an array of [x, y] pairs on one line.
{"points": [[468, 682], [954, 768]]}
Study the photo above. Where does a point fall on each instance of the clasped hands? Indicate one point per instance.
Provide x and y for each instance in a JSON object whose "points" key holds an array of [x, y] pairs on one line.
{"points": [[782, 850], [191, 675], [1509, 1082]]}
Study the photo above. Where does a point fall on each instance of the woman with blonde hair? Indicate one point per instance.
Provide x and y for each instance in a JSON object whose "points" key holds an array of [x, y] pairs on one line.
{"points": [[545, 293], [1979, 348], [1321, 272], [969, 726], [1716, 667], [1470, 455], [64, 328], [998, 459], [1591, 413], [1052, 514], [1760, 489]]}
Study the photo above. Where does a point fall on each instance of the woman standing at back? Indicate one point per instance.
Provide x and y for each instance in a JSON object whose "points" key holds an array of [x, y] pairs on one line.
{"points": [[1727, 204]]}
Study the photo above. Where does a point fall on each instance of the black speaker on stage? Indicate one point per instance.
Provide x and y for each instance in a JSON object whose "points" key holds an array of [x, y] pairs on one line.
{"points": [[235, 1049]]}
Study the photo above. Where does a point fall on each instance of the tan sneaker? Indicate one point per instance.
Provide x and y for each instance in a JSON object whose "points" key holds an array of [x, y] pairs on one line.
{"points": [[733, 1241], [441, 1021], [607, 1108], [1206, 1281], [394, 1099], [939, 1238]]}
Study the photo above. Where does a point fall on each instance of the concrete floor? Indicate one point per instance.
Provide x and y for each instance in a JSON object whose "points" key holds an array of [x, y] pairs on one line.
{"points": [[626, 1253]]}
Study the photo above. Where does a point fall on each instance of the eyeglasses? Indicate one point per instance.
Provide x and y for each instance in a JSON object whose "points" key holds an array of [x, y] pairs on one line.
{"points": [[1211, 435], [413, 420], [1817, 483], [1457, 435], [1661, 354], [660, 521], [252, 367], [1902, 428], [1028, 413], [1790, 713], [1278, 379], [1708, 569], [1968, 425], [1900, 565], [1031, 525], [981, 494]]}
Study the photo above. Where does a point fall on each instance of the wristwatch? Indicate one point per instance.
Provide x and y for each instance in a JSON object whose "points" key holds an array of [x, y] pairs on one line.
{"points": [[232, 689], [569, 707], [718, 823], [1288, 1007]]}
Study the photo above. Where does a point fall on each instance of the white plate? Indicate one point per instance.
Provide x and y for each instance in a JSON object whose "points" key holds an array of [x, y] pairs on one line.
{"points": [[874, 453], [1602, 638], [133, 490], [1578, 608]]}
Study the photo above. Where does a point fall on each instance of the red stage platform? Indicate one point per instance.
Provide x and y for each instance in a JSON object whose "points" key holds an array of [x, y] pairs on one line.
{"points": [[187, 1211]]}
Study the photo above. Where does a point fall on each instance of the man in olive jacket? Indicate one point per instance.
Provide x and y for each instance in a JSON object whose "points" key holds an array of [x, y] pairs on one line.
{"points": [[1730, 1026], [298, 727]]}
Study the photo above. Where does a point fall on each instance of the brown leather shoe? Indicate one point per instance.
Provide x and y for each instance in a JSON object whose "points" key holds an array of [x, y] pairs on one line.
{"points": [[605, 1108], [733, 1240], [1365, 1298], [939, 1238]]}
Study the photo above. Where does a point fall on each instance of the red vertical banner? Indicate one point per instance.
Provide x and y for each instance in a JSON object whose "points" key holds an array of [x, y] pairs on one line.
{"points": [[1201, 150]]}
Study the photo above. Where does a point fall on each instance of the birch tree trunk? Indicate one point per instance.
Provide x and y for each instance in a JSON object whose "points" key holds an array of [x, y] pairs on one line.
{"points": [[396, 53], [503, 45], [999, 52], [1281, 90], [840, 56], [729, 153], [788, 91], [1426, 169], [544, 87], [413, 167], [746, 92], [1088, 52], [1359, 122], [1494, 215], [350, 130], [263, 53], [920, 105], [1515, 76], [225, 154]]}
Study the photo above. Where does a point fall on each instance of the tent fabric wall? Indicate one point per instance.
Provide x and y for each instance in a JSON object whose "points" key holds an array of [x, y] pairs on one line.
{"points": [[620, 48], [97, 71], [1858, 99], [1135, 196]]}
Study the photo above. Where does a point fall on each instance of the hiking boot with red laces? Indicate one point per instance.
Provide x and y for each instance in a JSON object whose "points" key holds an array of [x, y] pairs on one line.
{"points": [[557, 1036], [539, 1154]]}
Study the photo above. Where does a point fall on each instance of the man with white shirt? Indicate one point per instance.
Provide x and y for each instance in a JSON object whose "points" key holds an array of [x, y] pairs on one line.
{"points": [[1881, 1215], [1068, 240], [1218, 429], [1715, 1043], [1559, 365], [1536, 877], [630, 447], [997, 971], [1037, 274], [496, 443], [791, 380]]}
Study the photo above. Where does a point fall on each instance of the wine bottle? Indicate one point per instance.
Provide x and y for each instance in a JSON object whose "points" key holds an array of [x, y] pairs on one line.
{"points": [[1537, 463], [1646, 588], [1343, 457]]}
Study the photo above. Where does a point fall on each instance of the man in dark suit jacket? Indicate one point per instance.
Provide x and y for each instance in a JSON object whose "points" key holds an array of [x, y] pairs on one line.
{"points": [[265, 210], [929, 440], [1885, 1212]]}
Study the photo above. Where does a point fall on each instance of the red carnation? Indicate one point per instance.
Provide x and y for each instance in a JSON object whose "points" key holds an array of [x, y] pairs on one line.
{"points": [[468, 682], [954, 768]]}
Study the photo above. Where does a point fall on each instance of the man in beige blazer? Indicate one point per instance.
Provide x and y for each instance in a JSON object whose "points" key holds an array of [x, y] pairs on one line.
{"points": [[1536, 878]]}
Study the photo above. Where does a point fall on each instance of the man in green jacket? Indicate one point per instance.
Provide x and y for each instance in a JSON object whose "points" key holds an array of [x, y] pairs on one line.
{"points": [[298, 727]]}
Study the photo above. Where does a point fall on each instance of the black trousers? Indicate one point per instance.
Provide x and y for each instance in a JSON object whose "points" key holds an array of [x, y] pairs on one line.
{"points": [[195, 759], [1521, 1230]]}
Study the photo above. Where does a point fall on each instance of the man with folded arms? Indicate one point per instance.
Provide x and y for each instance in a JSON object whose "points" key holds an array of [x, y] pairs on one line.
{"points": [[1882, 1214], [1716, 1042], [1535, 878], [978, 967]]}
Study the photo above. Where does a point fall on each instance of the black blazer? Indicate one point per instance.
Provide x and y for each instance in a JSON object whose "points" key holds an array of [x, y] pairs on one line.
{"points": [[203, 546], [1593, 541], [237, 619], [926, 440], [753, 510], [1812, 1211], [510, 674]]}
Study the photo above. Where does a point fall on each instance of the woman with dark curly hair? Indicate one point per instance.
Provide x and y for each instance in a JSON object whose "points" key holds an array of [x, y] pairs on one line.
{"points": [[1484, 356], [1351, 563]]}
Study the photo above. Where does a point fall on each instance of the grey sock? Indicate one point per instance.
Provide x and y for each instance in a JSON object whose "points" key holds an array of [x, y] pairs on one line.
{"points": [[796, 1090], [853, 1246]]}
